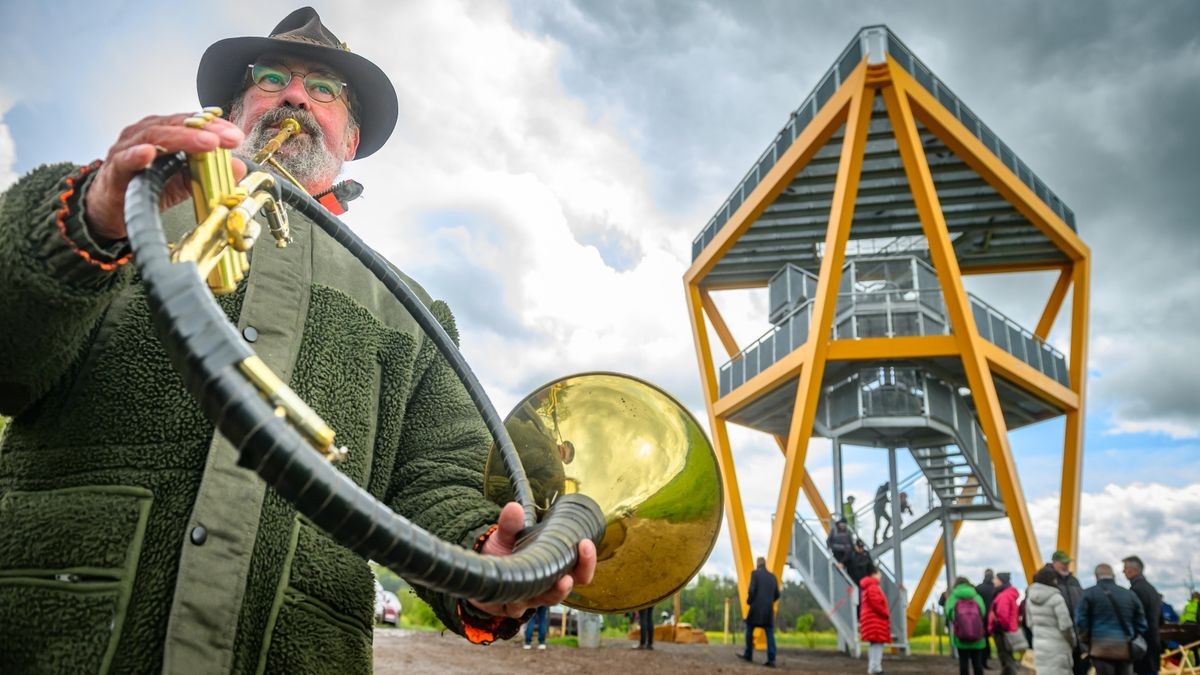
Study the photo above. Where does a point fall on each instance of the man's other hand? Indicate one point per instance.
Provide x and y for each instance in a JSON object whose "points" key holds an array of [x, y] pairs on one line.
{"points": [[511, 522], [134, 150]]}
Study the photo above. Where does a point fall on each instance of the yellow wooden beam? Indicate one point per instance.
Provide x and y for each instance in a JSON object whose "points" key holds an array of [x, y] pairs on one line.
{"points": [[907, 347], [776, 375], [718, 323], [811, 139], [1072, 471], [1028, 378], [734, 513], [975, 154], [975, 363], [815, 500], [1053, 305], [722, 329], [841, 214], [1005, 268], [933, 569], [731, 284]]}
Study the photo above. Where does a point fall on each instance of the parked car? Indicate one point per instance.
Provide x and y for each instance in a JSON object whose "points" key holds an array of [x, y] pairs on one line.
{"points": [[387, 606], [391, 608]]}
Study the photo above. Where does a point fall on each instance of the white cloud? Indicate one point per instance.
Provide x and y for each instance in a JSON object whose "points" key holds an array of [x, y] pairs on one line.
{"points": [[8, 151], [1150, 520], [502, 195]]}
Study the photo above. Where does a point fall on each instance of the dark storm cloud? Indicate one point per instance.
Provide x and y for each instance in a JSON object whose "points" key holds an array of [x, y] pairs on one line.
{"points": [[1098, 98]]}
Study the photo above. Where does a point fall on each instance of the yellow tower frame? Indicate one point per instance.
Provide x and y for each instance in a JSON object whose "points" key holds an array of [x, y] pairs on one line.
{"points": [[907, 102]]}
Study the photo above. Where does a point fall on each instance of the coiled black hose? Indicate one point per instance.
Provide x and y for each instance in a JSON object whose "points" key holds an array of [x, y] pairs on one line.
{"points": [[206, 350]]}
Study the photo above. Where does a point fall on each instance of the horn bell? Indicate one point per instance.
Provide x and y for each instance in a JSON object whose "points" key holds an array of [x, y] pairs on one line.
{"points": [[643, 458]]}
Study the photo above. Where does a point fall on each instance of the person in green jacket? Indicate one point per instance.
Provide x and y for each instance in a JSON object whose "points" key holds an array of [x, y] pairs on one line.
{"points": [[130, 540], [963, 628], [1191, 609], [848, 511]]}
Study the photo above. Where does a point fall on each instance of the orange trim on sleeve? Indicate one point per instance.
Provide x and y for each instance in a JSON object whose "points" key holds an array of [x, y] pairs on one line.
{"points": [[478, 547], [486, 631], [64, 211], [331, 204]]}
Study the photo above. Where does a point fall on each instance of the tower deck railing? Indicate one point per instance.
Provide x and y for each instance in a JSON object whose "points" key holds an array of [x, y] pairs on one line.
{"points": [[890, 314], [873, 40]]}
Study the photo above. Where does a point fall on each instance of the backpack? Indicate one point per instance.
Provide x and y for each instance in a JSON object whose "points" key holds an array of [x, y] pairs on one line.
{"points": [[968, 622]]}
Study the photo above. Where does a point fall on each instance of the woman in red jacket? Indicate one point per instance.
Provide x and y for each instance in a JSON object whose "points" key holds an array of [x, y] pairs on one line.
{"points": [[874, 620], [1002, 619]]}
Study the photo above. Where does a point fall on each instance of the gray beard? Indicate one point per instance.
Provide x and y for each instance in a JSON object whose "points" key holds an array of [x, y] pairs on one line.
{"points": [[307, 158]]}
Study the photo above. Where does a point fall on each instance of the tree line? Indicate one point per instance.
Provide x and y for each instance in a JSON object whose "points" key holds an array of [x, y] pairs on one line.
{"points": [[702, 604]]}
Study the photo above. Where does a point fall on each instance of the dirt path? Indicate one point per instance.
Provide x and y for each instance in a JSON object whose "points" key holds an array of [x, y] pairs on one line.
{"points": [[402, 651]]}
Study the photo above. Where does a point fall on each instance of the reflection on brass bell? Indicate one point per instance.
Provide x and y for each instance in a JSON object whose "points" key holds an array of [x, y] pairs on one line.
{"points": [[644, 459]]}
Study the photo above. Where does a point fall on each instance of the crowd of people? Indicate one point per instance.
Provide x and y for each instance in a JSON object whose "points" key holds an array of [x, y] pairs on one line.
{"points": [[1071, 630]]}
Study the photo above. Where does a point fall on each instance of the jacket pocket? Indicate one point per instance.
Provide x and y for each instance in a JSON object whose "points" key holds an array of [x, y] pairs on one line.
{"points": [[67, 561], [310, 637]]}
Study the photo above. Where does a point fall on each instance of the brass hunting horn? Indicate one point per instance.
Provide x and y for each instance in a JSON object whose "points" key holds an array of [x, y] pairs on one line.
{"points": [[600, 455]]}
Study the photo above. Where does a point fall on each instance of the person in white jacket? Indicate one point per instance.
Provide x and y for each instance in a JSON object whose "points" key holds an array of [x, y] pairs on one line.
{"points": [[1053, 628]]}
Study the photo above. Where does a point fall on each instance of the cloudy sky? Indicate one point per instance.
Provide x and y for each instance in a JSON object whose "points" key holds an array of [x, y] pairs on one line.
{"points": [[554, 159]]}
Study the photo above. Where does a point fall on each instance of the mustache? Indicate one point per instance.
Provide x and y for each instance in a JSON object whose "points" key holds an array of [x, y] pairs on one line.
{"points": [[275, 116]]}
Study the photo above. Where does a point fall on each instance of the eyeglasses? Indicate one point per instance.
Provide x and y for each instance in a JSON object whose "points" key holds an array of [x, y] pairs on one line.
{"points": [[320, 86]]}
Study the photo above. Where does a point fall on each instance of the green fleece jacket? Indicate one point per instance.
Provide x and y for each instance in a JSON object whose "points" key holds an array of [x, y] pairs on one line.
{"points": [[130, 541], [965, 592]]}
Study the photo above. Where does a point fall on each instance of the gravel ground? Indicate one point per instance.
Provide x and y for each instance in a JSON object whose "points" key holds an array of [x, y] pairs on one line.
{"points": [[403, 651]]}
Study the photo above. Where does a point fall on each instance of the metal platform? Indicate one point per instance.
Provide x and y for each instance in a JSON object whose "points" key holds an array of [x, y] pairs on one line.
{"points": [[884, 297], [987, 229]]}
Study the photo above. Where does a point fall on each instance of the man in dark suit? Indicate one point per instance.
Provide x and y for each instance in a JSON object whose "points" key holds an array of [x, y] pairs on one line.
{"points": [[761, 597], [1152, 605], [986, 591], [1107, 618]]}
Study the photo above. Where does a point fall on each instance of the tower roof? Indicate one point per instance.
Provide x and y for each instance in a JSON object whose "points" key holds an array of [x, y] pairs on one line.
{"points": [[987, 229]]}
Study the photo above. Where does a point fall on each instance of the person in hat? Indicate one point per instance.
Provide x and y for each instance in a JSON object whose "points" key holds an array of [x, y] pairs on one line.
{"points": [[1072, 592], [130, 540], [1002, 620], [840, 542]]}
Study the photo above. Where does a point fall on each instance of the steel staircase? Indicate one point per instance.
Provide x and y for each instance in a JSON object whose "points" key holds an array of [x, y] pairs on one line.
{"points": [[834, 591]]}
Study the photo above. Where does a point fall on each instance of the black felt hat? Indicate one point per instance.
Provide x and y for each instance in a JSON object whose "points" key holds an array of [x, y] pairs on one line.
{"points": [[221, 76]]}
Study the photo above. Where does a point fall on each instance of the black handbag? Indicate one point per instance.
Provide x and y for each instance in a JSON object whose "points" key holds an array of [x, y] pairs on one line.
{"points": [[1137, 643]]}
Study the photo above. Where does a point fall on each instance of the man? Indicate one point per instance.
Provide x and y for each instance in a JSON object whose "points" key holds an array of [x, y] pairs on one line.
{"points": [[859, 564], [986, 591], [840, 542], [848, 511], [1152, 603], [129, 539], [1107, 618], [882, 499], [760, 598], [1072, 592], [645, 628]]}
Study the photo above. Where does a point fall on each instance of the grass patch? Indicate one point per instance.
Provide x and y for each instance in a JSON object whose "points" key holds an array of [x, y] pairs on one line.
{"points": [[919, 644], [409, 624]]}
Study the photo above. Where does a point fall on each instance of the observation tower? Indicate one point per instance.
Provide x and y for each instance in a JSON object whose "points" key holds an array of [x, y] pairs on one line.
{"points": [[861, 218]]}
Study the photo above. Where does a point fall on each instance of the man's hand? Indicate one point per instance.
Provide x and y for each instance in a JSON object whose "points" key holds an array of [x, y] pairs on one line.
{"points": [[511, 521], [135, 149]]}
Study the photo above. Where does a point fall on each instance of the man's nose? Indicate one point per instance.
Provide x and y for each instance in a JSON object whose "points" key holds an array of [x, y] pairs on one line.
{"points": [[294, 95]]}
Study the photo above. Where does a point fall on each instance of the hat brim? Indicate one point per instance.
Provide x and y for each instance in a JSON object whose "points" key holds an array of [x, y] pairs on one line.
{"points": [[222, 75]]}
